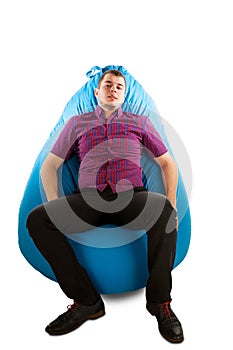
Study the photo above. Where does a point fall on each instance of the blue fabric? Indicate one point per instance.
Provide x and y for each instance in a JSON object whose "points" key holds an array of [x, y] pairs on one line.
{"points": [[116, 258]]}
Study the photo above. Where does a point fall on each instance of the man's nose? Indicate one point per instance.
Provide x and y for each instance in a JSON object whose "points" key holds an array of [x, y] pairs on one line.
{"points": [[113, 88]]}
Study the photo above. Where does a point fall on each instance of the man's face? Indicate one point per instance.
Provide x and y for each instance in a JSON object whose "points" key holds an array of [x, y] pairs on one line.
{"points": [[111, 93]]}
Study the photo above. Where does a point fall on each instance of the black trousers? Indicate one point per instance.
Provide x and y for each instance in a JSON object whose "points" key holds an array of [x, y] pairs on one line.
{"points": [[135, 209]]}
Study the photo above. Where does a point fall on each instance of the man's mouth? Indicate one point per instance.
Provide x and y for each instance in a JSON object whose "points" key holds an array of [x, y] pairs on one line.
{"points": [[113, 98]]}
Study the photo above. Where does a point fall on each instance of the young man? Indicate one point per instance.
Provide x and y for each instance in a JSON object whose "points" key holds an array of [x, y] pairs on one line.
{"points": [[108, 144]]}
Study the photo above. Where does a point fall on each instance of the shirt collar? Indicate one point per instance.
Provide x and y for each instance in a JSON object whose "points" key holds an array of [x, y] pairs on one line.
{"points": [[100, 113]]}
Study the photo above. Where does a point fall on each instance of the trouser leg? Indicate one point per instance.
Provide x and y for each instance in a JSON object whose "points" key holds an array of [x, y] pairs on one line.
{"points": [[154, 213], [47, 225], [161, 255]]}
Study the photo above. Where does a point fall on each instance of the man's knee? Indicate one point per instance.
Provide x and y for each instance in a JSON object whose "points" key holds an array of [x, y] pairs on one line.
{"points": [[169, 217], [161, 213], [35, 220]]}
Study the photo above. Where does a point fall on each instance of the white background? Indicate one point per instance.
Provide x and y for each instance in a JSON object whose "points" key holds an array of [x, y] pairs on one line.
{"points": [[181, 52]]}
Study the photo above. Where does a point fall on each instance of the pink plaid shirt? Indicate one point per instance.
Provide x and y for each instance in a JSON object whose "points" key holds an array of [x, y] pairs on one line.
{"points": [[109, 150]]}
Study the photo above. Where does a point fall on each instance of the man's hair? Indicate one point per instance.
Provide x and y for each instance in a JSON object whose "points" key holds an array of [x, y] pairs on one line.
{"points": [[115, 72]]}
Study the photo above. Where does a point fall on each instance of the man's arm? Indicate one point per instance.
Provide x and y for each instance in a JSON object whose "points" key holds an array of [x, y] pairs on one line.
{"points": [[170, 176], [49, 175]]}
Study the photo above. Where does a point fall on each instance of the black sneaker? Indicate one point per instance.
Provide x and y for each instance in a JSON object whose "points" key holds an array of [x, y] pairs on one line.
{"points": [[76, 315], [169, 325]]}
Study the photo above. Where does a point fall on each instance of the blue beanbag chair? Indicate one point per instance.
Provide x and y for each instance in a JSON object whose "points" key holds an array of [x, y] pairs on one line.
{"points": [[115, 258]]}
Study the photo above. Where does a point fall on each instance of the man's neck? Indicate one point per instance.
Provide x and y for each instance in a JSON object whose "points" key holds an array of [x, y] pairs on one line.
{"points": [[107, 111]]}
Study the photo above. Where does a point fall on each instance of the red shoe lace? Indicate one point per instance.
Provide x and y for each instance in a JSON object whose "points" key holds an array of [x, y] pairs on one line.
{"points": [[73, 306], [165, 308]]}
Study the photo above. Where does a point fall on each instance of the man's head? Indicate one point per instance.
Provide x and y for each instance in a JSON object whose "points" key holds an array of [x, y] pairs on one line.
{"points": [[111, 90]]}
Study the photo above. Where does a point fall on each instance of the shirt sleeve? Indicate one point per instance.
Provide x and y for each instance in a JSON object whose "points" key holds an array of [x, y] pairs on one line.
{"points": [[66, 141], [152, 140]]}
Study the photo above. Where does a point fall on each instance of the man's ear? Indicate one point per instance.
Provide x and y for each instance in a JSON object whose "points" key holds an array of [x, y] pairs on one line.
{"points": [[96, 92]]}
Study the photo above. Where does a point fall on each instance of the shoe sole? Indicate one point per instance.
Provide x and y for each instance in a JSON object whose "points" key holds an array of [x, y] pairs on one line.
{"points": [[77, 325], [171, 340]]}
